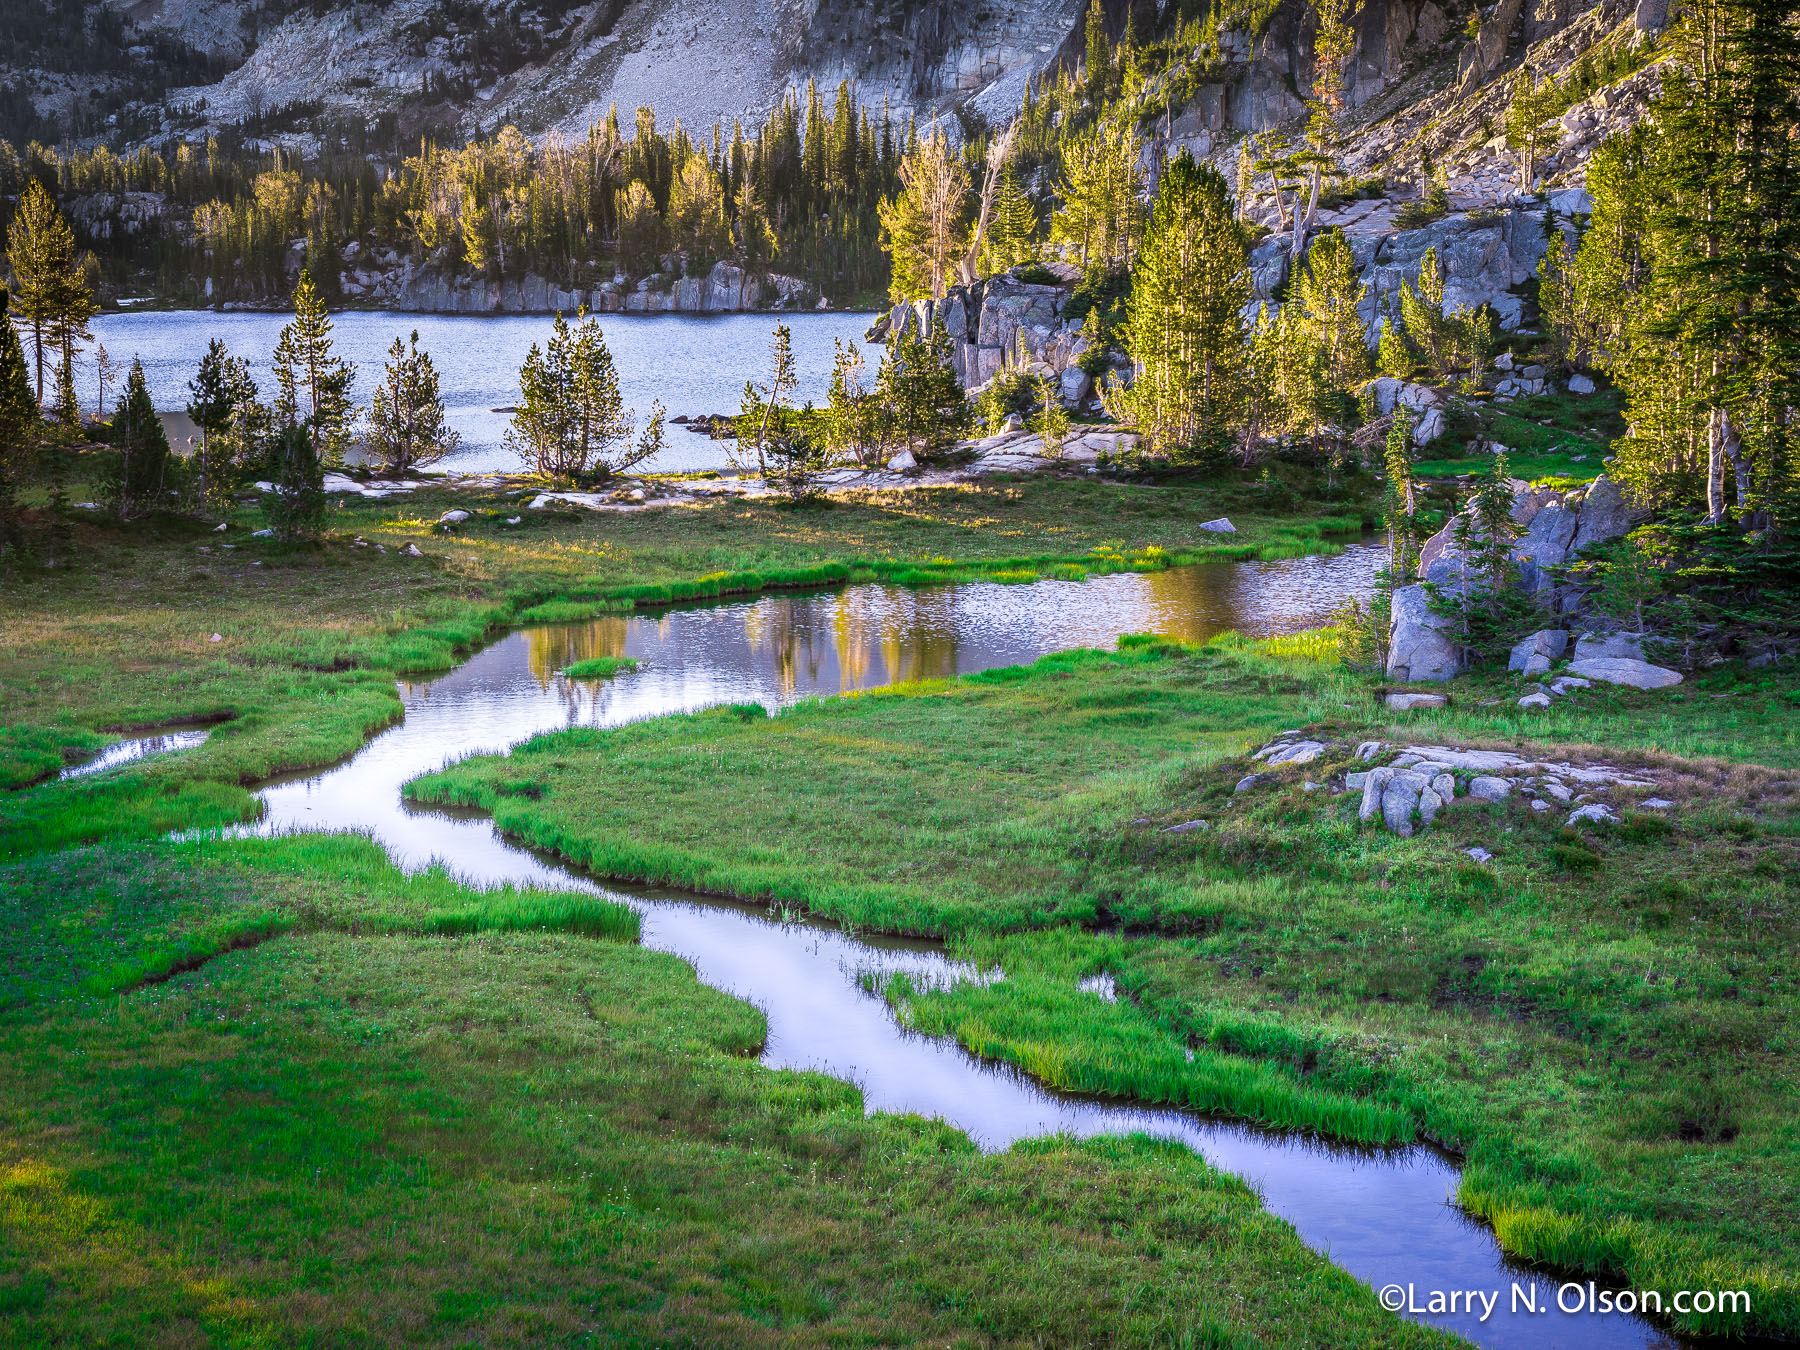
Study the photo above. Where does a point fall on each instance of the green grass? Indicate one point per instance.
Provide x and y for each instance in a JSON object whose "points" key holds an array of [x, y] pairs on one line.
{"points": [[1616, 1048], [600, 667], [312, 638], [350, 1134]]}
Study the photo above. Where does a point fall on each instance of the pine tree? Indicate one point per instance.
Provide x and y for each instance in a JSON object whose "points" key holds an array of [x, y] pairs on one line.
{"points": [[312, 382], [856, 423], [1098, 51], [922, 225], [1099, 193], [1402, 505], [51, 297], [1330, 294], [1422, 314], [136, 483], [1185, 329], [572, 420], [406, 419], [1534, 103]]}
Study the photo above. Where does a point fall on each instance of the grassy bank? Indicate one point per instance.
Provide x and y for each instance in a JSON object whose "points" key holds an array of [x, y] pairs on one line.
{"points": [[1604, 1023], [310, 640], [374, 1126]]}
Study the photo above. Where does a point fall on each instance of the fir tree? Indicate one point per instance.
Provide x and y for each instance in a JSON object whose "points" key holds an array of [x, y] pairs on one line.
{"points": [[1012, 237], [1329, 295], [1099, 193], [312, 381], [1185, 330], [1534, 103], [1402, 506], [406, 419]]}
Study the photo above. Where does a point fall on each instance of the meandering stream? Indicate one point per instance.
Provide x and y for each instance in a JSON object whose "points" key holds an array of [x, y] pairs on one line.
{"points": [[1382, 1214]]}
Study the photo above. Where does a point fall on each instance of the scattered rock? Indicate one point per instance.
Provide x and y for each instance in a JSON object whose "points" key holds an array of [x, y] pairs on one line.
{"points": [[1430, 427], [1407, 702], [1219, 526], [1368, 750], [1479, 854], [1634, 674], [1657, 803], [1374, 784], [1540, 805], [1539, 700], [220, 529], [1444, 785], [1186, 826], [1249, 781], [903, 461], [450, 518], [262, 534], [1580, 384], [1598, 813], [1310, 786], [411, 551], [1568, 684], [1430, 803], [1487, 788], [1354, 782], [1556, 791], [216, 637]]}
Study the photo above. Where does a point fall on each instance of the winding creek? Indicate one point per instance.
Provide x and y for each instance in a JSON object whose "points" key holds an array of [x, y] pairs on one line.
{"points": [[1382, 1214]]}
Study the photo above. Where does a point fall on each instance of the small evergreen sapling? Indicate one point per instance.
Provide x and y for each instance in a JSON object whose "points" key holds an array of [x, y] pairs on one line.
{"points": [[135, 484], [295, 510]]}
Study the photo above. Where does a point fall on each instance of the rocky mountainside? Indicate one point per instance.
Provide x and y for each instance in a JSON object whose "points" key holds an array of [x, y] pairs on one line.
{"points": [[558, 64]]}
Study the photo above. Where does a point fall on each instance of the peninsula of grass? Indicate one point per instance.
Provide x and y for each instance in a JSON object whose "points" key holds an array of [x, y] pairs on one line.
{"points": [[1606, 1024], [363, 1124]]}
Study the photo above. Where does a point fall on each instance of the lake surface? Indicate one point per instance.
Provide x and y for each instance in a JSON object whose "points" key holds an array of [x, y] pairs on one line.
{"points": [[695, 364], [1383, 1214]]}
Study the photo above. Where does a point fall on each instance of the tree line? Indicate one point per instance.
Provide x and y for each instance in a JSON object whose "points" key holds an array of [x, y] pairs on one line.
{"points": [[796, 193]]}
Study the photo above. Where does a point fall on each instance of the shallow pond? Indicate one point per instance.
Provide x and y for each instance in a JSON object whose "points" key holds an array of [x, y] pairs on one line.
{"points": [[695, 364], [1382, 1214]]}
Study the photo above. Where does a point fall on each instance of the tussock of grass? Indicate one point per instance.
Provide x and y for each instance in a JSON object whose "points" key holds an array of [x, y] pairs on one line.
{"points": [[600, 667]]}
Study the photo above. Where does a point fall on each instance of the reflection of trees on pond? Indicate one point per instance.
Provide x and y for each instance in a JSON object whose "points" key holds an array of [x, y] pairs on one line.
{"points": [[1191, 603], [548, 650], [911, 633]]}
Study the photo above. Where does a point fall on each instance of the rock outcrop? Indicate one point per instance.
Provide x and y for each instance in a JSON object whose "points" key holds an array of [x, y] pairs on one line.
{"points": [[727, 288], [1554, 527]]}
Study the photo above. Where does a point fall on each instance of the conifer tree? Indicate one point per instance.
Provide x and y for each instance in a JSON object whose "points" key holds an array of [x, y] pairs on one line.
{"points": [[1402, 504], [136, 483], [1099, 193], [922, 224], [572, 420], [1534, 103], [51, 297], [1330, 294], [295, 509], [221, 389], [1185, 328], [312, 381], [1422, 313], [20, 425], [1012, 237], [919, 389], [406, 419]]}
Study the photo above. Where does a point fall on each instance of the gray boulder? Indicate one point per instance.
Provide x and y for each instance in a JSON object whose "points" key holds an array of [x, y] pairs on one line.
{"points": [[1374, 787], [1419, 648], [1076, 384], [1399, 799], [1604, 515], [1534, 654], [1634, 674], [1219, 526], [1488, 788], [1539, 700], [1610, 647], [1430, 427], [1407, 702], [1545, 545], [1580, 384]]}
